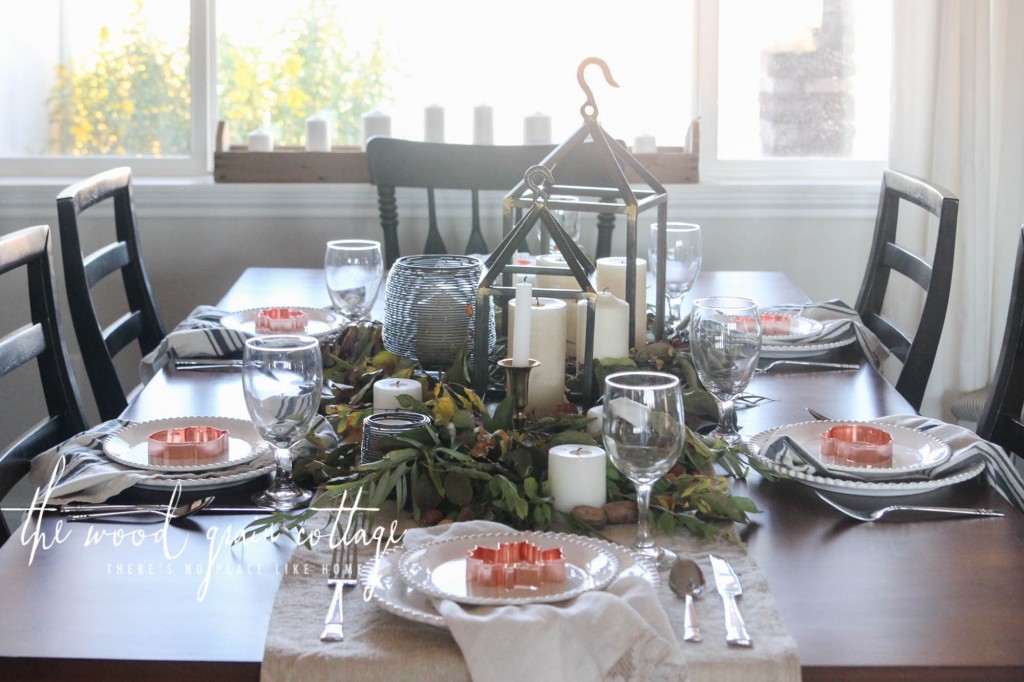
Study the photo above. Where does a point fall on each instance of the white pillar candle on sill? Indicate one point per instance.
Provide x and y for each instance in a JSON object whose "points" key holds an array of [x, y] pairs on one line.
{"points": [[611, 277], [433, 123], [644, 144], [318, 134], [578, 476], [537, 129], [386, 392], [566, 283], [375, 124], [483, 124], [611, 327], [261, 141], [547, 346]]}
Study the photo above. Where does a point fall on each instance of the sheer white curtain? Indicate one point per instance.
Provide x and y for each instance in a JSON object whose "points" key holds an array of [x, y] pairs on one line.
{"points": [[958, 120]]}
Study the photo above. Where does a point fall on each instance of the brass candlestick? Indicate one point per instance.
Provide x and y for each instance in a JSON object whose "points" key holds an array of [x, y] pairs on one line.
{"points": [[517, 385]]}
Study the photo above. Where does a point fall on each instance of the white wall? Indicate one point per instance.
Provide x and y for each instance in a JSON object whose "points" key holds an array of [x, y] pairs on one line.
{"points": [[198, 237]]}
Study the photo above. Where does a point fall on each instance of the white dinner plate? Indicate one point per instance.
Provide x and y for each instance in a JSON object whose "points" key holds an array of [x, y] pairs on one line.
{"points": [[130, 445], [383, 582], [799, 327], [320, 320], [438, 569], [865, 488], [912, 451], [790, 350]]}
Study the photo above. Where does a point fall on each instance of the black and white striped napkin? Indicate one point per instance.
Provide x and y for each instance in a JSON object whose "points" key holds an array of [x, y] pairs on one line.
{"points": [[200, 335], [968, 449], [840, 322]]}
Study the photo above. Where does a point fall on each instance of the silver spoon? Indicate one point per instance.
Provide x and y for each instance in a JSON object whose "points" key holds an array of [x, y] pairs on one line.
{"points": [[179, 512], [687, 581]]}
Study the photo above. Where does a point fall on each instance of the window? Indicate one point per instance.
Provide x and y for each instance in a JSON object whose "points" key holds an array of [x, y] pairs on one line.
{"points": [[136, 80]]}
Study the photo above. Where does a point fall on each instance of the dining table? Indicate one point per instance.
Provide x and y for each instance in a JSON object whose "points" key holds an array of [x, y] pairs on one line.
{"points": [[902, 600]]}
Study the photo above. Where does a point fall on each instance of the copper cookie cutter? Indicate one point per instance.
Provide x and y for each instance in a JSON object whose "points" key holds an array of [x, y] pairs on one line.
{"points": [[281, 321], [515, 564], [857, 445], [187, 444]]}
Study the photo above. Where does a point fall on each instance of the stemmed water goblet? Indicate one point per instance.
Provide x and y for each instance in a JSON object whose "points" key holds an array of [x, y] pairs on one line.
{"points": [[354, 270], [725, 342], [683, 257], [281, 378], [644, 435]]}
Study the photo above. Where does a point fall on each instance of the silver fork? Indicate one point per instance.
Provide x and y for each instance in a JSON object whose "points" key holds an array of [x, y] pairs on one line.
{"points": [[805, 363], [343, 574], [879, 513]]}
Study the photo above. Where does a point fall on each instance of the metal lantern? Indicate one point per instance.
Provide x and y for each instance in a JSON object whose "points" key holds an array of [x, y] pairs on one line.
{"points": [[597, 173], [501, 263]]}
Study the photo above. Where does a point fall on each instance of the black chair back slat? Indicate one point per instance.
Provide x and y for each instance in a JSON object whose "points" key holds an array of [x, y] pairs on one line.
{"points": [[935, 279], [82, 272], [1001, 420], [43, 341]]}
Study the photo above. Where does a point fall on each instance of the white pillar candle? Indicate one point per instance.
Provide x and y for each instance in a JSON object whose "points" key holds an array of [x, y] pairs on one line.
{"points": [[318, 134], [386, 392], [596, 427], [611, 327], [537, 129], [433, 123], [261, 141], [521, 336], [578, 476], [644, 144], [566, 283], [547, 346], [483, 124], [375, 124], [611, 277]]}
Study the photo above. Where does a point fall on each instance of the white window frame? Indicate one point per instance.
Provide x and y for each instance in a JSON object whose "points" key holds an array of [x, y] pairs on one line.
{"points": [[204, 116]]}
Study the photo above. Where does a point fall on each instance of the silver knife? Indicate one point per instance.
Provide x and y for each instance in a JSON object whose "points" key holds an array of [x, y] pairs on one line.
{"points": [[729, 587]]}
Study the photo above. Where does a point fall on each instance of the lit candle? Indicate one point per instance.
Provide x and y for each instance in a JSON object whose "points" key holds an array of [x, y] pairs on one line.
{"points": [[521, 336], [318, 134], [567, 283], [611, 277], [537, 129], [261, 141], [483, 125], [611, 327], [375, 124], [433, 123], [596, 427], [644, 144], [386, 392], [547, 346], [578, 476]]}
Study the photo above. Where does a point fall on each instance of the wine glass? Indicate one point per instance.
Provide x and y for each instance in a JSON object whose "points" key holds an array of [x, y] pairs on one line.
{"points": [[683, 258], [725, 341], [644, 435], [281, 377], [354, 270]]}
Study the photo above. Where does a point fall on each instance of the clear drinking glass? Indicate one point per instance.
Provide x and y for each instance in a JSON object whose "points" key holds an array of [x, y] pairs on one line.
{"points": [[644, 434], [725, 341], [683, 257], [281, 377], [354, 270]]}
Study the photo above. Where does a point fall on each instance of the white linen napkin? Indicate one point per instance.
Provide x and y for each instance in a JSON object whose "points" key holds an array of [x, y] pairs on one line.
{"points": [[88, 475], [200, 335], [967, 448], [618, 633], [839, 322]]}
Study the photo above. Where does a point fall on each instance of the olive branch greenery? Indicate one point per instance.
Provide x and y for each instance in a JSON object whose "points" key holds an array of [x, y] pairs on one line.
{"points": [[470, 463]]}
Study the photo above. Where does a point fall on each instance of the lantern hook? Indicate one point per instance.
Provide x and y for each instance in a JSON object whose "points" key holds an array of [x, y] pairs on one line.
{"points": [[589, 108], [535, 177]]}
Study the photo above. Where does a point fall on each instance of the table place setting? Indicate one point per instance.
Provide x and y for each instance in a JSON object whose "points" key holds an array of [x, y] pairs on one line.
{"points": [[892, 456], [632, 628], [813, 329]]}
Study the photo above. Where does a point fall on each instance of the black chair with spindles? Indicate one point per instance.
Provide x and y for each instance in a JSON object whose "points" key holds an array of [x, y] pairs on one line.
{"points": [[100, 343], [41, 340], [917, 350], [1001, 421]]}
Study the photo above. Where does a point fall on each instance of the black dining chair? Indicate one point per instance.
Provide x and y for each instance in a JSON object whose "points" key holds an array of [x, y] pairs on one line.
{"points": [[917, 350], [1001, 421], [434, 166], [100, 343], [41, 340]]}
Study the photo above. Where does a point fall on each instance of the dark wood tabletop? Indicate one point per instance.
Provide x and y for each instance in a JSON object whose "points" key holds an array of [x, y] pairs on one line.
{"points": [[929, 600]]}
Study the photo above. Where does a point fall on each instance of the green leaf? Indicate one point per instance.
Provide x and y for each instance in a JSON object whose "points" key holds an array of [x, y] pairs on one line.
{"points": [[502, 419], [458, 489]]}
